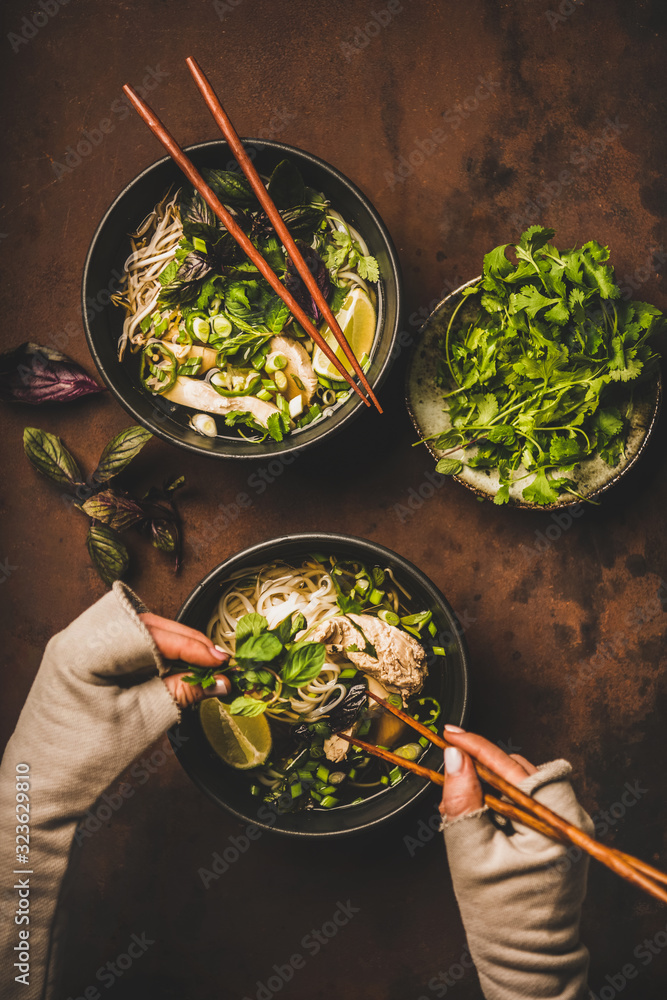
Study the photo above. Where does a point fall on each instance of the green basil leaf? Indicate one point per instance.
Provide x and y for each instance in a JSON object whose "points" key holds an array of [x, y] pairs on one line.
{"points": [[289, 627], [251, 624], [120, 451], [247, 706], [286, 185], [107, 552], [304, 662], [259, 648], [50, 456], [231, 188]]}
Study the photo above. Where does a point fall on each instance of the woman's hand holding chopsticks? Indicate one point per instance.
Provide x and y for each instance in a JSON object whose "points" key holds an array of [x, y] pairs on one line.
{"points": [[520, 893]]}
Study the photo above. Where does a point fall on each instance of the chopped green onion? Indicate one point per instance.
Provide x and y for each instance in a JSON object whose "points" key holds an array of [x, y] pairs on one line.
{"points": [[315, 795], [432, 629], [395, 700], [323, 773], [275, 363], [364, 727], [263, 394], [439, 651], [352, 773], [222, 327], [423, 742], [280, 378], [329, 801], [356, 801], [328, 790], [336, 777], [384, 780], [296, 789], [411, 751], [347, 673], [376, 596], [199, 244], [395, 775], [389, 617], [269, 384], [255, 790], [418, 619]]}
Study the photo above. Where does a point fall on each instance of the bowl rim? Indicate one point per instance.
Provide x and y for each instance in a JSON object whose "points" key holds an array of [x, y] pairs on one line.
{"points": [[395, 277], [522, 504], [375, 549]]}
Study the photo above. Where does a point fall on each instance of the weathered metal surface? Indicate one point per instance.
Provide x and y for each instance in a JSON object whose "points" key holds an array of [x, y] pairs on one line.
{"points": [[564, 621]]}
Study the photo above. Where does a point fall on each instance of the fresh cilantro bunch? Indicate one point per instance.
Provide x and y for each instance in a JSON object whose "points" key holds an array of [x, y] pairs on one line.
{"points": [[540, 374]]}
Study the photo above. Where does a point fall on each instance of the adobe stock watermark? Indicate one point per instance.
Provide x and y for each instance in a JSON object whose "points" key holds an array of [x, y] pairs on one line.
{"points": [[566, 9], [603, 820], [645, 953], [6, 570], [427, 829], [119, 110], [582, 157], [108, 973], [312, 943], [363, 36], [440, 984], [426, 146], [31, 26]]}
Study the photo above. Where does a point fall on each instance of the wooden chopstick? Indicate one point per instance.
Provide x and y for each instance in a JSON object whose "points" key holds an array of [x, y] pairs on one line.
{"points": [[630, 868], [625, 865], [210, 197], [225, 125]]}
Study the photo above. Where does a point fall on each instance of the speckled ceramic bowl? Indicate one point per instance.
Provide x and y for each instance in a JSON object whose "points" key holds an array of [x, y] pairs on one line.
{"points": [[430, 416]]}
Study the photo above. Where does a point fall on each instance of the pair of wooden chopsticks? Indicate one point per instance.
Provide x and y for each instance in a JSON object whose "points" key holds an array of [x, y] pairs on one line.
{"points": [[524, 809], [209, 196]]}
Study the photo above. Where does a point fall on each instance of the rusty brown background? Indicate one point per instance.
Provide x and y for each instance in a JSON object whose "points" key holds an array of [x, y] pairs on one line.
{"points": [[565, 625]]}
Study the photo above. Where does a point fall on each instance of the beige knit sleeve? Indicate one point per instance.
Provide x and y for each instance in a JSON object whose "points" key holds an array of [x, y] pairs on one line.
{"points": [[520, 900], [96, 703]]}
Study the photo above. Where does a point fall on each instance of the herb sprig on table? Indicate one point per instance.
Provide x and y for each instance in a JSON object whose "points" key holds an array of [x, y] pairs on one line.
{"points": [[110, 509], [542, 377]]}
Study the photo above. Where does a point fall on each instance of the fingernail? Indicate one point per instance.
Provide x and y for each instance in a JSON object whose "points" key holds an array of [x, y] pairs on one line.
{"points": [[453, 760], [219, 654], [221, 687], [454, 729]]}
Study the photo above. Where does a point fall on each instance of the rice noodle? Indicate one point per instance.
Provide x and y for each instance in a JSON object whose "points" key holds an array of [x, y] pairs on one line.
{"points": [[277, 591]]}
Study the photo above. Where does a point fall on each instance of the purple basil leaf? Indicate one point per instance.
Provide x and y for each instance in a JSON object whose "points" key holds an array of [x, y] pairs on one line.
{"points": [[119, 510], [34, 374], [295, 284]]}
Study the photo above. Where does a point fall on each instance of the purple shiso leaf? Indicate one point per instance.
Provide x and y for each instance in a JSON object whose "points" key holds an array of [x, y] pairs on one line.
{"points": [[34, 374], [295, 284]]}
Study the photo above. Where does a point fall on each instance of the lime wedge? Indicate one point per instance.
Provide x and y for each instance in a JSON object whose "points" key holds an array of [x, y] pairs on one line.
{"points": [[357, 320], [240, 741]]}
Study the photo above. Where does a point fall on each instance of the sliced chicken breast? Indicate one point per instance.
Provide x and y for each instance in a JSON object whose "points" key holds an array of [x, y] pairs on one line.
{"points": [[400, 664], [298, 367], [200, 395]]}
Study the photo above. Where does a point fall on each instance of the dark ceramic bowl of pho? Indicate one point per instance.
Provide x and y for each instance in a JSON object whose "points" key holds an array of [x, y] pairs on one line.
{"points": [[193, 342], [313, 622]]}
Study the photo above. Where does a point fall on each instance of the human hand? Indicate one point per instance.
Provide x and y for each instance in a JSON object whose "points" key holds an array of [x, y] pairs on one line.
{"points": [[462, 792], [176, 641], [519, 893]]}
